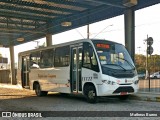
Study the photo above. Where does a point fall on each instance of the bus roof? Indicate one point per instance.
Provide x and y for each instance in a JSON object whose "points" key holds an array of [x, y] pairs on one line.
{"points": [[64, 44]]}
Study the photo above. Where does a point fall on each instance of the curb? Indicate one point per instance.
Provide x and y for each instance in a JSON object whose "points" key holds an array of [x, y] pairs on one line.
{"points": [[150, 97]]}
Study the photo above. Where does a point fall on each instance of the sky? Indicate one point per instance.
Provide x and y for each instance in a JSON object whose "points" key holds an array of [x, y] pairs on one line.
{"points": [[147, 22]]}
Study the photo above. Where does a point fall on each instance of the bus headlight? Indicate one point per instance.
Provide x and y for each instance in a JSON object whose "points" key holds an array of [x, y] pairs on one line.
{"points": [[109, 82], [136, 82]]}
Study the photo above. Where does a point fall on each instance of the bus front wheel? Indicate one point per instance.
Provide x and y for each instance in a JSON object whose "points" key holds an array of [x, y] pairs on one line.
{"points": [[39, 92], [90, 94]]}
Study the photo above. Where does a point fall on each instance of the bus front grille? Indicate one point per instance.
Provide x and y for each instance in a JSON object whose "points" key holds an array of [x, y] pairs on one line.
{"points": [[124, 89]]}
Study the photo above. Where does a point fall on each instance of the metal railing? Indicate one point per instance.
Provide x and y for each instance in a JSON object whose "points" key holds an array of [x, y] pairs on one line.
{"points": [[153, 87]]}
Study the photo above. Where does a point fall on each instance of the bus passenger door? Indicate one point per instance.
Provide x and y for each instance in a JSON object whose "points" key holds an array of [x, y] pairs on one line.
{"points": [[25, 72], [76, 64]]}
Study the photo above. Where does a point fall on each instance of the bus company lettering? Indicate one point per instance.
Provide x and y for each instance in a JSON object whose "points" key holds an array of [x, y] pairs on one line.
{"points": [[45, 76], [87, 78]]}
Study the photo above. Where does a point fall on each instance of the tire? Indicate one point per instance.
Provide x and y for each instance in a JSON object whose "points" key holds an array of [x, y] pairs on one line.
{"points": [[155, 77], [39, 92], [123, 97], [90, 94]]}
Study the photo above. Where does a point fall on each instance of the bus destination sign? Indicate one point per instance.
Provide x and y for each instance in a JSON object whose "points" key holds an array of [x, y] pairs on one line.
{"points": [[104, 46]]}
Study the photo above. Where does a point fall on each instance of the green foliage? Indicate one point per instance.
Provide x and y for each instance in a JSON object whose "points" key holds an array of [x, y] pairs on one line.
{"points": [[153, 63]]}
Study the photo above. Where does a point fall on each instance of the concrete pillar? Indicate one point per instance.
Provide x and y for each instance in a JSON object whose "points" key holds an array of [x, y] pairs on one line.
{"points": [[12, 66], [49, 39], [129, 19]]}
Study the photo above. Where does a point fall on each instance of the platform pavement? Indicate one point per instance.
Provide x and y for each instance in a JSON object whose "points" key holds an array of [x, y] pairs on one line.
{"points": [[4, 85], [144, 96]]}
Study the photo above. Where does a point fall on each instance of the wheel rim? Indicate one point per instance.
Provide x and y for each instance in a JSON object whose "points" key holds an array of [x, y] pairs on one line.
{"points": [[91, 94]]}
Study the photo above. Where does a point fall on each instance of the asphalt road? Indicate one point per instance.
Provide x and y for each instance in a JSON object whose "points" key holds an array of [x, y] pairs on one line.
{"points": [[25, 100]]}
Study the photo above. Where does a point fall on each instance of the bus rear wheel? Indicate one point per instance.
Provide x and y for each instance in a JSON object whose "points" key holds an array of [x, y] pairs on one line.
{"points": [[90, 94], [39, 92]]}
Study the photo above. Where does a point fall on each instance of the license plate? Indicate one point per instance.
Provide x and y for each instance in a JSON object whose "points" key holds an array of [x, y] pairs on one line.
{"points": [[123, 93]]}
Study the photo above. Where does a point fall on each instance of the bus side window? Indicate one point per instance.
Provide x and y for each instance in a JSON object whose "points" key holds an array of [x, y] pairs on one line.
{"points": [[86, 60], [89, 58], [47, 58], [62, 56], [34, 60]]}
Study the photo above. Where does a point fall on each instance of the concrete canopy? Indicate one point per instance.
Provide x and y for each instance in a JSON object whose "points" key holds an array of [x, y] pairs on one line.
{"points": [[33, 19]]}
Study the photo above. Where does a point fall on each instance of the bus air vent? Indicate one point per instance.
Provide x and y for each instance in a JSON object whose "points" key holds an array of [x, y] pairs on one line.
{"points": [[124, 89]]}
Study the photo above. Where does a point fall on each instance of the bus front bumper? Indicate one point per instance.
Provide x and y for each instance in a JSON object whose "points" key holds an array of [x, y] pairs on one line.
{"points": [[113, 90]]}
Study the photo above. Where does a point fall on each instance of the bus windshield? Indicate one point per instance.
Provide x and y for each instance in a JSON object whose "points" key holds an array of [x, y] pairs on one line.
{"points": [[113, 55]]}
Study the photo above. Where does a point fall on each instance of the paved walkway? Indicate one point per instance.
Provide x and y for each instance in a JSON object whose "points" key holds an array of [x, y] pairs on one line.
{"points": [[10, 86], [145, 96]]}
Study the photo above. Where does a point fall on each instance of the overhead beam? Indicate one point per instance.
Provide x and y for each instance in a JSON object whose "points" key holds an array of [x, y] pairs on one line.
{"points": [[37, 5], [145, 3], [21, 22], [7, 41], [28, 10], [22, 16], [27, 38], [21, 30], [76, 3], [106, 2], [86, 17]]}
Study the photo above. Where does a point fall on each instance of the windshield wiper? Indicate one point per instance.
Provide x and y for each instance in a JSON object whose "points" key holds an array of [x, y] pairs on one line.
{"points": [[127, 62], [116, 65]]}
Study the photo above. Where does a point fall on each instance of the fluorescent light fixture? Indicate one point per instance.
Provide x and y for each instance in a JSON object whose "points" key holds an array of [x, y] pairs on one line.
{"points": [[20, 39], [129, 3], [66, 24]]}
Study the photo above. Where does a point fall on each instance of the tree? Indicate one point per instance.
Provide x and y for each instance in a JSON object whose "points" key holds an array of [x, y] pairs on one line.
{"points": [[153, 63], [140, 63]]}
